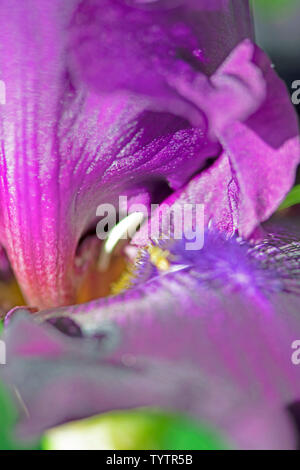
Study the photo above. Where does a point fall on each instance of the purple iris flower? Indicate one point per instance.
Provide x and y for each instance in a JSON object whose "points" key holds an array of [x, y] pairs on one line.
{"points": [[135, 98], [171, 102]]}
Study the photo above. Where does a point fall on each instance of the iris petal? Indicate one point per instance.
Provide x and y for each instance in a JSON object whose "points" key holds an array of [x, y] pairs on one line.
{"points": [[217, 332], [60, 141], [66, 149], [94, 115], [261, 150]]}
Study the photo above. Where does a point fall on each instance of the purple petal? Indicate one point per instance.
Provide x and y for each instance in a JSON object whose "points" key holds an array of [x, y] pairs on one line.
{"points": [[264, 151], [65, 150], [240, 298], [76, 380], [261, 152], [225, 316], [140, 45], [29, 153]]}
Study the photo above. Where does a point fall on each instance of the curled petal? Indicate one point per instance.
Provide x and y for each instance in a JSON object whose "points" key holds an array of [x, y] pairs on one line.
{"points": [[261, 149], [264, 151]]}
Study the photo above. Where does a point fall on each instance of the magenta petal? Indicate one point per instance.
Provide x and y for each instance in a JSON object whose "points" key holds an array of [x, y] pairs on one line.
{"points": [[169, 55], [98, 155], [224, 300], [65, 150], [232, 93], [29, 152], [215, 188]]}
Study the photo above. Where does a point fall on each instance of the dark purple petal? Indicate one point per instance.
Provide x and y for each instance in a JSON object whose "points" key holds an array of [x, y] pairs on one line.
{"points": [[139, 45], [264, 151], [260, 153]]}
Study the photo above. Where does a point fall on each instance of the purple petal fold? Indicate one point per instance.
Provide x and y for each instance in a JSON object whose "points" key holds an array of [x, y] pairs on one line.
{"points": [[261, 150], [140, 45]]}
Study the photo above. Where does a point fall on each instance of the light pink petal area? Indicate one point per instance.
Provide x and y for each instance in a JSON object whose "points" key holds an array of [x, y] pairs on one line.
{"points": [[32, 51], [98, 106]]}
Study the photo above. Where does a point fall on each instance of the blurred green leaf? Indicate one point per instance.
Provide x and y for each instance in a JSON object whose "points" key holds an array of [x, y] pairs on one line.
{"points": [[273, 6], [292, 198], [8, 418], [134, 430]]}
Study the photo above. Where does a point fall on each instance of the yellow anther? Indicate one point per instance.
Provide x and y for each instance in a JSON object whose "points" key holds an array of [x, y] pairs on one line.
{"points": [[159, 257], [123, 283]]}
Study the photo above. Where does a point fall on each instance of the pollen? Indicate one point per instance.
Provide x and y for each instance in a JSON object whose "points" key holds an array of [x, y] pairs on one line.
{"points": [[124, 282], [159, 258]]}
